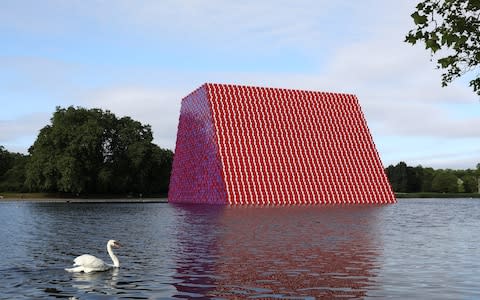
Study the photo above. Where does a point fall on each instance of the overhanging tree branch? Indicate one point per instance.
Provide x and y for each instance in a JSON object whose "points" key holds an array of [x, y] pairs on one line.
{"points": [[450, 27]]}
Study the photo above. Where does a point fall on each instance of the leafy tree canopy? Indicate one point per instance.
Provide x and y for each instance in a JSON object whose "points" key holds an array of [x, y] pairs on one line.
{"points": [[12, 171], [452, 28], [5, 160], [93, 151], [445, 182], [407, 179]]}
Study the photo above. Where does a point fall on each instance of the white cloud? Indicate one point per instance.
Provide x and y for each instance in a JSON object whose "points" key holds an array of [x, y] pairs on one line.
{"points": [[460, 159], [354, 47], [157, 107], [19, 133]]}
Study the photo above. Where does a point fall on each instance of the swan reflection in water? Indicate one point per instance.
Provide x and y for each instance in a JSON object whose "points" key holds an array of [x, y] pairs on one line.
{"points": [[104, 282]]}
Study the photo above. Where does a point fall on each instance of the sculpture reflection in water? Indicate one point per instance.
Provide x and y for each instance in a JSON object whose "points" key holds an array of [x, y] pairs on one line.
{"points": [[304, 252], [197, 251]]}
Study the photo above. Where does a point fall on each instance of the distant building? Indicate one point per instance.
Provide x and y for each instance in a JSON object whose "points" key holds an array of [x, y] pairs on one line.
{"points": [[267, 146]]}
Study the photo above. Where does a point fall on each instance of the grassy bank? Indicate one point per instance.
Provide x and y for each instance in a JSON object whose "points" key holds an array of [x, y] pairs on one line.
{"points": [[163, 197], [437, 195], [68, 196], [27, 195]]}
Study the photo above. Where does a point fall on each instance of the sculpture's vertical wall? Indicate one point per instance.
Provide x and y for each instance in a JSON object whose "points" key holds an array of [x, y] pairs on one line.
{"points": [[278, 146], [196, 171]]}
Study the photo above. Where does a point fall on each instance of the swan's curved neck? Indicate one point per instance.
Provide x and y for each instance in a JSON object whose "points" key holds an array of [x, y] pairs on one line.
{"points": [[116, 263]]}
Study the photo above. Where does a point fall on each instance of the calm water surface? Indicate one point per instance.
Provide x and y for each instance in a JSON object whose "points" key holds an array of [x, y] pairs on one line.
{"points": [[422, 249]]}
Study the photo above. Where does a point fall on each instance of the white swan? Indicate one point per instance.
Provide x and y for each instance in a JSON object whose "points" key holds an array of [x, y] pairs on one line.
{"points": [[88, 263]]}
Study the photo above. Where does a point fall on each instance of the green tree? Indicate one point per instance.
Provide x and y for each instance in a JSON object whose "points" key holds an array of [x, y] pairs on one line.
{"points": [[452, 26], [92, 151], [428, 174], [469, 183], [398, 177], [6, 160], [414, 179], [12, 171], [445, 182], [160, 170], [477, 175]]}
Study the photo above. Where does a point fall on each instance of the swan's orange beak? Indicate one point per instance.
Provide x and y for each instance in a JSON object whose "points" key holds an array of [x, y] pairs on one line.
{"points": [[117, 245]]}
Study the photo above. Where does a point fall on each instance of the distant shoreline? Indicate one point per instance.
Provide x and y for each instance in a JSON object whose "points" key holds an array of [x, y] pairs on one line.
{"points": [[109, 198], [59, 200], [436, 195], [69, 198], [80, 200]]}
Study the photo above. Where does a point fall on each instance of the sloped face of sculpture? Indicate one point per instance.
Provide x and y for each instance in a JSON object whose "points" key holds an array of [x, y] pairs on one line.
{"points": [[265, 146], [197, 169]]}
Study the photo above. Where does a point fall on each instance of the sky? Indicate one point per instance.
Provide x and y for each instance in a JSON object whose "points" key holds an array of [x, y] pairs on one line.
{"points": [[140, 58]]}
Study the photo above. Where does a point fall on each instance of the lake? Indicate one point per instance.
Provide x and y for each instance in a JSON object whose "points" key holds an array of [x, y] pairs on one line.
{"points": [[417, 248]]}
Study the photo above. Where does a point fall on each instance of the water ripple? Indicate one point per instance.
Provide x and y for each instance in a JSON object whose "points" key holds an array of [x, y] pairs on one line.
{"points": [[414, 249]]}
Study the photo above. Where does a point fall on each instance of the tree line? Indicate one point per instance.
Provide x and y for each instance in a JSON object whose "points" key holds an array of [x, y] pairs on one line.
{"points": [[89, 151], [407, 179]]}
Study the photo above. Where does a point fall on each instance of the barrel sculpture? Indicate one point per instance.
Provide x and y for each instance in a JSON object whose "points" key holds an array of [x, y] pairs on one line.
{"points": [[243, 145]]}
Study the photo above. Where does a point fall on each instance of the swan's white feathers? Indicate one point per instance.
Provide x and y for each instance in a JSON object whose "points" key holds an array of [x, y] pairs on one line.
{"points": [[89, 261]]}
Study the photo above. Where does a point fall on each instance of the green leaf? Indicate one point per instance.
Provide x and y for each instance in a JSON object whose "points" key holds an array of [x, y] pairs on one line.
{"points": [[443, 62], [418, 18], [410, 38], [475, 84], [449, 39], [446, 61], [432, 45]]}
